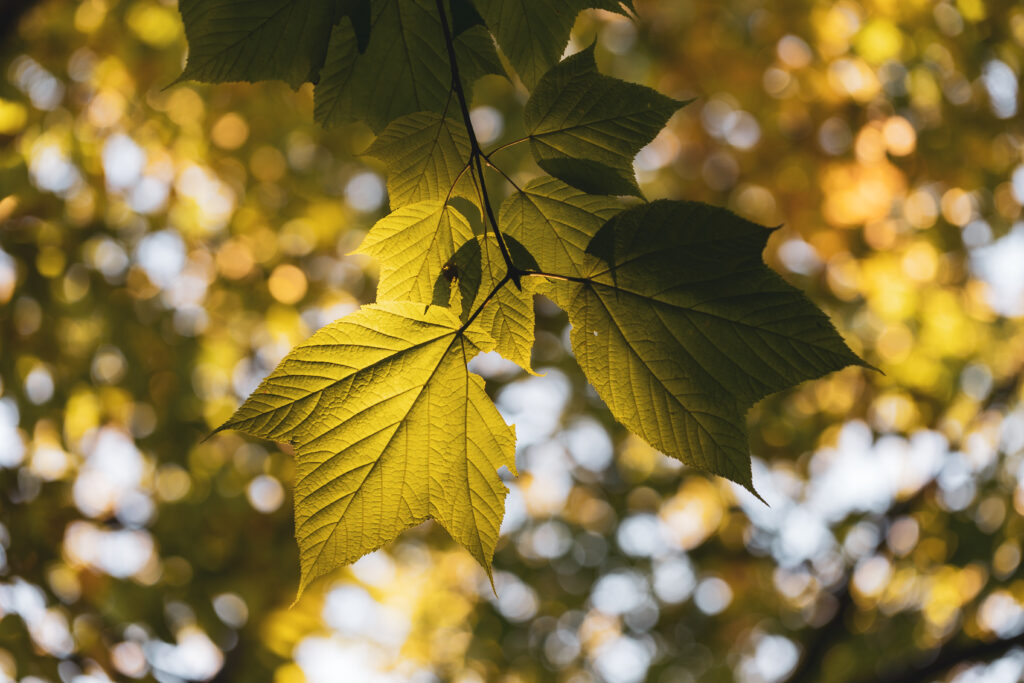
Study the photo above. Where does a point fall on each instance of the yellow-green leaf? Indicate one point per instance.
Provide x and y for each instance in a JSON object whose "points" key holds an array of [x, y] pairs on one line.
{"points": [[412, 245], [506, 314], [683, 327], [555, 223], [390, 429], [427, 156]]}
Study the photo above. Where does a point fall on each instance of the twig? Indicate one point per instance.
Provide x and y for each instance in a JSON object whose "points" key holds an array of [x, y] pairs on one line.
{"points": [[555, 276], [476, 153], [501, 283]]}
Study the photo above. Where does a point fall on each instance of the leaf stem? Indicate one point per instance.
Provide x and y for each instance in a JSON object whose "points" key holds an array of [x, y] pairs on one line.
{"points": [[504, 175], [505, 146], [469, 321], [556, 276], [476, 153]]}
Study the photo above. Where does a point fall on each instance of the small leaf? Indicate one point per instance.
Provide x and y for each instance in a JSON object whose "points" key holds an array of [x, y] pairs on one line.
{"points": [[412, 245], [390, 429], [684, 328], [555, 223], [427, 156], [403, 70], [508, 316], [533, 33], [262, 39], [585, 128]]}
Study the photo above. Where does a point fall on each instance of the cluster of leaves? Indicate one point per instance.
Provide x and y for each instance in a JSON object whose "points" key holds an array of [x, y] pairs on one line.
{"points": [[676, 320]]}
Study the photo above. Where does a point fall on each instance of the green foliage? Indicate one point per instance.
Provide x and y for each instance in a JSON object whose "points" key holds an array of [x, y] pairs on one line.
{"points": [[390, 429], [533, 34], [508, 315], [404, 68], [556, 223], [586, 128], [427, 156], [681, 327], [413, 243], [677, 321], [252, 41]]}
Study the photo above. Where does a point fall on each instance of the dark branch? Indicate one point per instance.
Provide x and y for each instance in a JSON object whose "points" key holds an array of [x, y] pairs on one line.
{"points": [[476, 153], [501, 283]]}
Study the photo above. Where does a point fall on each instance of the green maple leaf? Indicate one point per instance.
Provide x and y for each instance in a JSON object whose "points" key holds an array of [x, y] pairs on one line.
{"points": [[585, 128], [555, 223], [533, 33], [403, 70], [264, 39], [412, 244], [681, 327], [390, 429], [427, 156], [507, 316]]}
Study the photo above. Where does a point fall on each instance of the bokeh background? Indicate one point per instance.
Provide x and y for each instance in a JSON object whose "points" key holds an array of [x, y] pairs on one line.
{"points": [[163, 246]]}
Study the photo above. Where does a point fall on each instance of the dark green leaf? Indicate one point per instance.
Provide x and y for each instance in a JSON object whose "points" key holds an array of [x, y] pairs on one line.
{"points": [[585, 128], [403, 70], [681, 327], [533, 33], [264, 39]]}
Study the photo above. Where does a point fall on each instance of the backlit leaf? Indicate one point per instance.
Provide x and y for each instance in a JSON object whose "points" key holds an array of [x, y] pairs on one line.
{"points": [[263, 39], [390, 429], [403, 70], [412, 244], [684, 327], [533, 33], [508, 315], [427, 156], [585, 128], [555, 223]]}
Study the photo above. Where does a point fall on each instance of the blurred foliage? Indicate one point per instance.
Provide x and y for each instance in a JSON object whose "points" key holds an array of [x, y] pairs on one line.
{"points": [[161, 248]]}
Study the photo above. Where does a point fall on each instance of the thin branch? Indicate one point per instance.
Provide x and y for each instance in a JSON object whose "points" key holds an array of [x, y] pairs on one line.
{"points": [[556, 276], [455, 182], [505, 146], [476, 153], [505, 175], [501, 283]]}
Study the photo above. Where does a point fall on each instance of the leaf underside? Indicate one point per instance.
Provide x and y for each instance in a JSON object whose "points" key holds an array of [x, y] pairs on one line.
{"points": [[427, 156], [555, 223], [508, 317], [412, 244], [390, 429]]}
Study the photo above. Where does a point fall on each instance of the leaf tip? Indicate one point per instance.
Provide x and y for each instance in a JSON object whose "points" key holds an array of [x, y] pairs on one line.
{"points": [[750, 487], [224, 427], [490, 577]]}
